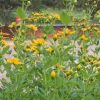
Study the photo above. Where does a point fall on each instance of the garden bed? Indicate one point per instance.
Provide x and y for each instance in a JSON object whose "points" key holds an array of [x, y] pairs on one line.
{"points": [[9, 32]]}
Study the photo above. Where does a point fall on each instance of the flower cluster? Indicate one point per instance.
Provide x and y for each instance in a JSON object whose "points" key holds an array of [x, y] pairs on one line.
{"points": [[43, 17]]}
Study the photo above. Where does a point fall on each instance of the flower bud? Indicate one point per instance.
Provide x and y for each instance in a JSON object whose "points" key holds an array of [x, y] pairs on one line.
{"points": [[53, 74]]}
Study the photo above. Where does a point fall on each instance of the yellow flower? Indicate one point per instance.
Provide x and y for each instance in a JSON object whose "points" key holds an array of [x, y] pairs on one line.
{"points": [[39, 41], [1, 33], [57, 17], [96, 62], [33, 27], [69, 32], [79, 67], [53, 74], [14, 61], [83, 37], [4, 42], [98, 32], [50, 50], [60, 33], [55, 36], [12, 25], [34, 49]]}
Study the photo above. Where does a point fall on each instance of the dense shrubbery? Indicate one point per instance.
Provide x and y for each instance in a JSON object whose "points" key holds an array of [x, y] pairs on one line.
{"points": [[80, 3]]}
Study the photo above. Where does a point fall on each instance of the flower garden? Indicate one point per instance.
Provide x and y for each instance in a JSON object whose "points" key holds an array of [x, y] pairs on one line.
{"points": [[40, 61]]}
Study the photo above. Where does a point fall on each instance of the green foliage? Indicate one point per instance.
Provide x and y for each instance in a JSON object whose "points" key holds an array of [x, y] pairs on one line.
{"points": [[21, 13], [65, 18], [48, 29]]}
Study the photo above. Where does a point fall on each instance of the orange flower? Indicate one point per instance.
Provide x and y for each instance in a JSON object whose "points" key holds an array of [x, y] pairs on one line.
{"points": [[18, 20]]}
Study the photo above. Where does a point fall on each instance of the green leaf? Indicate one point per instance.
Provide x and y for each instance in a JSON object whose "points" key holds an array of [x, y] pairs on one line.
{"points": [[21, 13], [65, 18], [5, 50], [48, 29]]}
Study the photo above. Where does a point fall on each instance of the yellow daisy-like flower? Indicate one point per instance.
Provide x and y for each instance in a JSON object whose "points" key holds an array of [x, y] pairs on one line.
{"points": [[33, 27], [4, 42], [55, 37], [83, 37], [50, 50], [14, 61], [34, 49], [69, 32], [12, 25], [60, 33], [39, 41]]}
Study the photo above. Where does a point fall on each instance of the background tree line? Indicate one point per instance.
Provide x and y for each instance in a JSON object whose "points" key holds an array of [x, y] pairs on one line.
{"points": [[90, 5]]}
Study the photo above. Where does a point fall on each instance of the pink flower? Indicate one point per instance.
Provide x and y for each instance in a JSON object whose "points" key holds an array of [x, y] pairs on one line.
{"points": [[18, 19]]}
